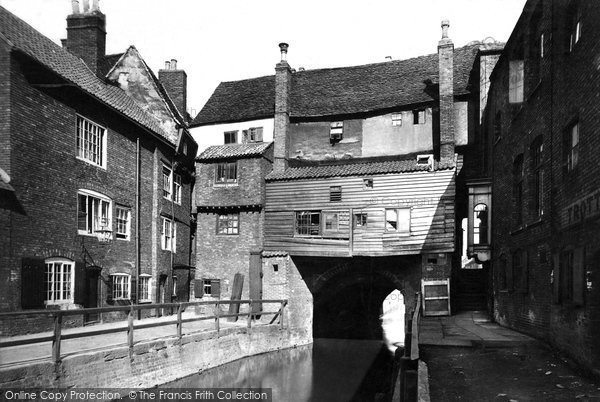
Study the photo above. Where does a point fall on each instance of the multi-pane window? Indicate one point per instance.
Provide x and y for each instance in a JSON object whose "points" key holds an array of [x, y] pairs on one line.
{"points": [[91, 142], [177, 188], [308, 223], [515, 81], [397, 220], [93, 212], [121, 286], [518, 188], [123, 222], [59, 281], [145, 285], [537, 149], [230, 137], [572, 147], [254, 134], [330, 221], [226, 172], [480, 224], [360, 220], [207, 287], [336, 131], [367, 184], [419, 116], [397, 119], [228, 224], [168, 234], [335, 193], [167, 182]]}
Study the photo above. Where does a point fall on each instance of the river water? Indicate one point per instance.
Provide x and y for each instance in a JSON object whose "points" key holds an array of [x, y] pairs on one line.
{"points": [[328, 370]]}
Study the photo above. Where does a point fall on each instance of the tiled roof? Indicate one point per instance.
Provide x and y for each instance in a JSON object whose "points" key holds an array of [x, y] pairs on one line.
{"points": [[25, 39], [353, 169], [337, 91], [107, 63], [234, 151]]}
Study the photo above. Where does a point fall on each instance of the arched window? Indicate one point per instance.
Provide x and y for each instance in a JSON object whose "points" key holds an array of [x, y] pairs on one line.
{"points": [[480, 224], [59, 279]]}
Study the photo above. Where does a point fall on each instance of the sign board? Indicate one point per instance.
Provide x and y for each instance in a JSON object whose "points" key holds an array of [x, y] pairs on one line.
{"points": [[584, 208]]}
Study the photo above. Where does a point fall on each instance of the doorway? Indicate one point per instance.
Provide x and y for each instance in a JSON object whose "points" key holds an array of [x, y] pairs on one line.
{"points": [[92, 293], [256, 282]]}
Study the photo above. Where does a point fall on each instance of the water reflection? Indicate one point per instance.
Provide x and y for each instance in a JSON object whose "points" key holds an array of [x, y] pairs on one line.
{"points": [[328, 370]]}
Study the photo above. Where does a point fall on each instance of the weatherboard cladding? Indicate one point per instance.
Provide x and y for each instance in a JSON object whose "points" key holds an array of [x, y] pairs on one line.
{"points": [[337, 91], [25, 39], [231, 151]]}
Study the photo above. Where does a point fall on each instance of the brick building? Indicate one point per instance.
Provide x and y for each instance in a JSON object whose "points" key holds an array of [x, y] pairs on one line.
{"points": [[96, 148], [541, 126]]}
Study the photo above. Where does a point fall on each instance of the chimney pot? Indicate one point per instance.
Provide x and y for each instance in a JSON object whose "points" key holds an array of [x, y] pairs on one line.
{"points": [[173, 64], [95, 5], [167, 65], [283, 48], [86, 6], [75, 6], [445, 26], [388, 58]]}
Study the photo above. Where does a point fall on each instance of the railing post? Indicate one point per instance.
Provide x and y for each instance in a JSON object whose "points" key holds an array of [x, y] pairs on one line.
{"points": [[217, 319], [130, 332], [179, 323], [57, 336], [250, 314]]}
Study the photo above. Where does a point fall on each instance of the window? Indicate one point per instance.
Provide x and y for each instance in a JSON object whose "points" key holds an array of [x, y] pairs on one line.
{"points": [[425, 160], [228, 224], [367, 184], [518, 189], [336, 131], [254, 134], [207, 285], [93, 212], [537, 148], [226, 172], [515, 83], [330, 221], [275, 267], [308, 223], [167, 179], [121, 286], [397, 220], [145, 286], [335, 193], [419, 116], [91, 142], [572, 147], [480, 224], [168, 235], [59, 281], [572, 276], [397, 119], [230, 137], [360, 220], [177, 188], [123, 223]]}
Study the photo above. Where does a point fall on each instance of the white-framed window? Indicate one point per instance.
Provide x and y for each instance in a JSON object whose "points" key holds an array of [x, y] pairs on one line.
{"points": [[168, 234], [91, 142], [207, 287], [123, 222], [336, 131], [253, 134], [94, 212], [397, 220], [145, 288], [515, 81], [228, 224], [167, 181], [397, 119], [121, 286], [59, 280], [419, 116], [330, 222], [226, 172], [230, 137], [177, 188], [308, 223]]}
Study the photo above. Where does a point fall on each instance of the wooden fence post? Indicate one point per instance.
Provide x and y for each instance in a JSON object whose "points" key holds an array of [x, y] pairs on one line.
{"points": [[250, 314], [179, 323], [57, 336], [130, 332], [217, 315]]}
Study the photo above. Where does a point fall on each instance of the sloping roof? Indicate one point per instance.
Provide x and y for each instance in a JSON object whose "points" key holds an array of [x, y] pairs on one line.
{"points": [[107, 63], [337, 91], [25, 39], [234, 151], [353, 169]]}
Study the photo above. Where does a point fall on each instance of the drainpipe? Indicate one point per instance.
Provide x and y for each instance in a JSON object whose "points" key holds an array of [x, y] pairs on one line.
{"points": [[137, 224]]}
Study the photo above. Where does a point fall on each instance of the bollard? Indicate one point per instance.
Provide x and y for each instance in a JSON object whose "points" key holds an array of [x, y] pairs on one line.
{"points": [[179, 323], [217, 322], [57, 336], [130, 332]]}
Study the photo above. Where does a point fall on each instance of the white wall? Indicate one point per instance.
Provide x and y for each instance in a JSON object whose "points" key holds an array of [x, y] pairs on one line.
{"points": [[206, 136]]}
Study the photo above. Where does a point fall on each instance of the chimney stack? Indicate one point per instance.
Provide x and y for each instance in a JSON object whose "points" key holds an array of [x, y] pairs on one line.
{"points": [[446, 78], [86, 33], [283, 85], [175, 83]]}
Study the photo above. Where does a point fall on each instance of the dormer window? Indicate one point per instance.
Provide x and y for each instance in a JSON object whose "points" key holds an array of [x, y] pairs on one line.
{"points": [[425, 160], [336, 131]]}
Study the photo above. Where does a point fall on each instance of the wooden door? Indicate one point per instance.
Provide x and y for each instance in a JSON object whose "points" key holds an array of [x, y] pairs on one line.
{"points": [[92, 277], [255, 277]]}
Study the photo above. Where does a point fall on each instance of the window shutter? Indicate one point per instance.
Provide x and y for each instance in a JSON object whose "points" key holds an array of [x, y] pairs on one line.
{"points": [[109, 289], [404, 220], [216, 287], [134, 290], [244, 136], [33, 292], [80, 290], [198, 287], [556, 278], [578, 276], [259, 134]]}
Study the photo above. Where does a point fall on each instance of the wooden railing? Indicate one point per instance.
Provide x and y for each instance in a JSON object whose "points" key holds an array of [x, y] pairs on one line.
{"points": [[405, 377], [58, 315]]}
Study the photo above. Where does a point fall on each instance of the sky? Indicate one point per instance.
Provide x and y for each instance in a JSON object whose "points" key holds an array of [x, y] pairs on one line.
{"points": [[228, 40]]}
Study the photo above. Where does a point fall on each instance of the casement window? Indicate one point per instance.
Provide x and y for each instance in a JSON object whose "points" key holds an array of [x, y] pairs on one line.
{"points": [[368, 184], [520, 271], [330, 222], [94, 212], [167, 182], [207, 287], [168, 235], [360, 220], [121, 286], [254, 134], [91, 142], [177, 188], [518, 189], [123, 223], [515, 81], [145, 288], [396, 119], [174, 294], [230, 137], [571, 146], [59, 280], [335, 193], [570, 283], [184, 149], [308, 223], [419, 116], [226, 173], [228, 224], [480, 224], [397, 220], [536, 151], [336, 131]]}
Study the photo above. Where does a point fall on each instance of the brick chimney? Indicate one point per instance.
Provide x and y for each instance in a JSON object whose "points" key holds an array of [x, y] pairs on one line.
{"points": [[283, 85], [446, 71], [86, 33], [175, 83]]}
